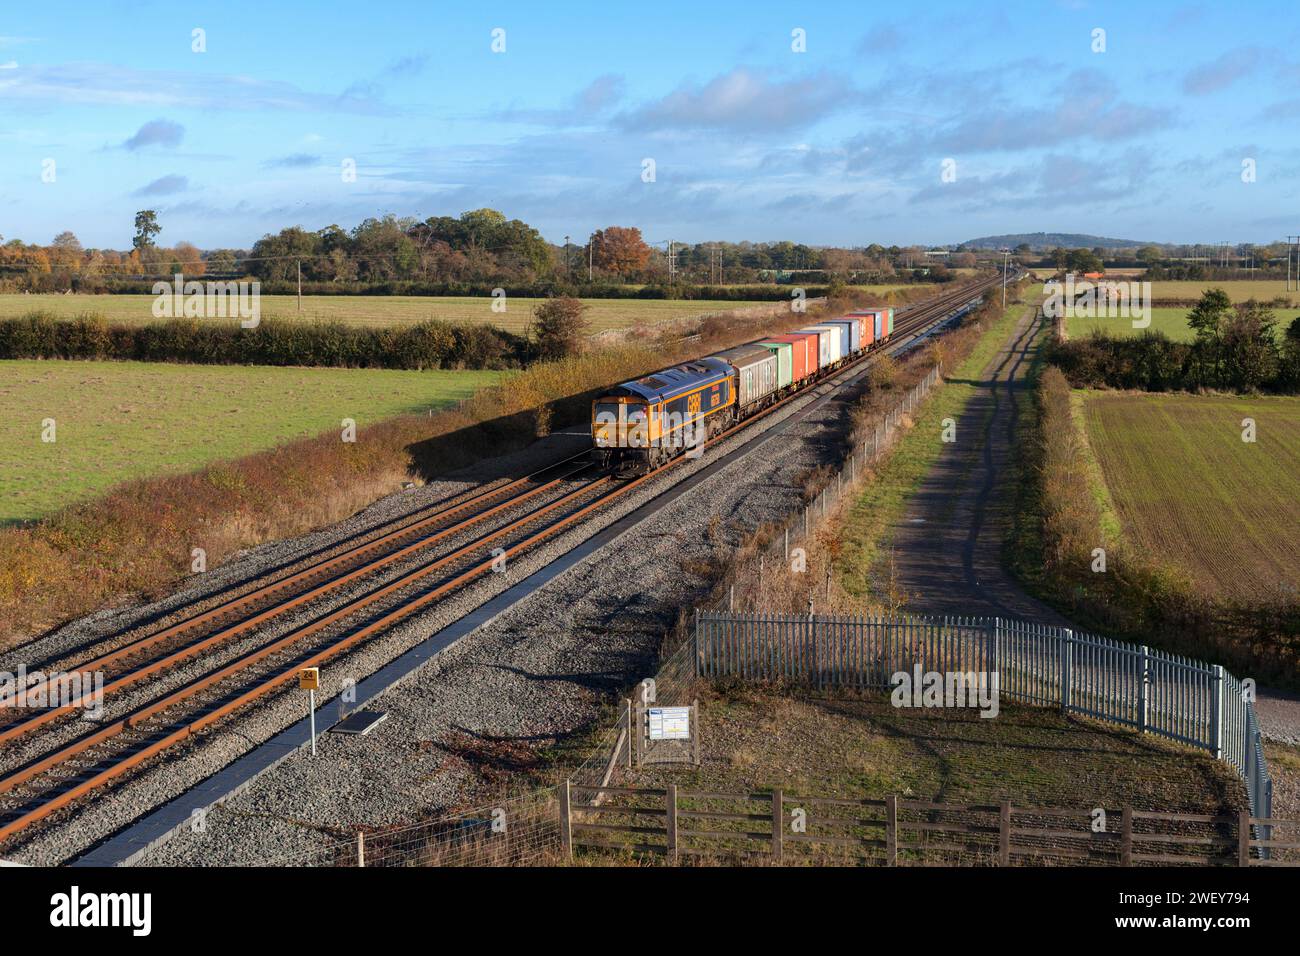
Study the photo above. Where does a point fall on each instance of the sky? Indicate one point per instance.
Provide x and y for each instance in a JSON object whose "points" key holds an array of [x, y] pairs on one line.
{"points": [[839, 124]]}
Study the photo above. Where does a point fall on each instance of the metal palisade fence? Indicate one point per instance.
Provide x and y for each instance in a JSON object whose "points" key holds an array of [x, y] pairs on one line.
{"points": [[1152, 691]]}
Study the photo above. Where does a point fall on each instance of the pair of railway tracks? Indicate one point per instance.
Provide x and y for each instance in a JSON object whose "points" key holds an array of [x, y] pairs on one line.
{"points": [[423, 561]]}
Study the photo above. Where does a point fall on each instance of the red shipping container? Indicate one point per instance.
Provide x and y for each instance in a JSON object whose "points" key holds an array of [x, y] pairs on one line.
{"points": [[867, 318], [803, 351]]}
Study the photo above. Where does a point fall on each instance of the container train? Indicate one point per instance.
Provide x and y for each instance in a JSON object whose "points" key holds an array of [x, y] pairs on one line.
{"points": [[642, 424]]}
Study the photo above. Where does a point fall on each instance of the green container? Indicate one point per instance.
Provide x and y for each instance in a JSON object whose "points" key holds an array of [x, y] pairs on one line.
{"points": [[784, 355]]}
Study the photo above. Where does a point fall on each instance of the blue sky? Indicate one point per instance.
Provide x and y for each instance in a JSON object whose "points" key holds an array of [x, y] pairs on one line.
{"points": [[842, 144]]}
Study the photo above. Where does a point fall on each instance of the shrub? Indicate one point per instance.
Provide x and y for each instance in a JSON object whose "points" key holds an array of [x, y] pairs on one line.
{"points": [[559, 327]]}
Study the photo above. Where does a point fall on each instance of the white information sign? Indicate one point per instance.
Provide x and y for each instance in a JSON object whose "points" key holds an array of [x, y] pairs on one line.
{"points": [[669, 723]]}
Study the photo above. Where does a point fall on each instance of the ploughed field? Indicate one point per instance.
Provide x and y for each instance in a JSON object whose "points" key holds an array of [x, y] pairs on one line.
{"points": [[116, 421], [381, 310], [1189, 491]]}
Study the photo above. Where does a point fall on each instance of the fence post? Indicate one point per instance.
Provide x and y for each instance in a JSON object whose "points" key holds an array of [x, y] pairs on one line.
{"points": [[778, 825], [361, 848], [1220, 686], [1004, 834], [672, 822], [1142, 693], [640, 729], [1126, 837], [1067, 666], [696, 747], [566, 823], [1243, 838], [630, 732], [787, 547], [891, 829]]}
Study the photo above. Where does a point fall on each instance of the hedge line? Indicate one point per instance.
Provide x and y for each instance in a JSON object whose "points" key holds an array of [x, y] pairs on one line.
{"points": [[1152, 362], [427, 345]]}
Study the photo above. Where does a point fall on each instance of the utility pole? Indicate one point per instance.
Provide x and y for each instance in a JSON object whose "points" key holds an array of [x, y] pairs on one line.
{"points": [[566, 255], [672, 264], [300, 286], [1290, 245], [590, 245], [1006, 261]]}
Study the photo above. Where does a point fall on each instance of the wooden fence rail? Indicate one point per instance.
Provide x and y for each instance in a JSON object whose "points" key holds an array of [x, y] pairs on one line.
{"points": [[783, 828]]}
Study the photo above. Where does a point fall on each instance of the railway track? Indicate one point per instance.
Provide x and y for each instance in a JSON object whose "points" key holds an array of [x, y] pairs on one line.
{"points": [[567, 493]]}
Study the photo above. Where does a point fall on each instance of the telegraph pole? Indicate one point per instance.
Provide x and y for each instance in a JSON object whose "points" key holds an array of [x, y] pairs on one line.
{"points": [[299, 285], [1290, 245], [566, 256], [1006, 261], [590, 245]]}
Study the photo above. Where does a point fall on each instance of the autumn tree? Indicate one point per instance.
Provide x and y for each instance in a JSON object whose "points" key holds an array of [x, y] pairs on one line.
{"points": [[619, 249]]}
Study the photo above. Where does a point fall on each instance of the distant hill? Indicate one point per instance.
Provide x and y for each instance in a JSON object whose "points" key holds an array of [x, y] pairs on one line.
{"points": [[1050, 240]]}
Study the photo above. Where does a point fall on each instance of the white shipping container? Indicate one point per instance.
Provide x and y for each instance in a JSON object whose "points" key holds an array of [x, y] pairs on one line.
{"points": [[838, 347]]}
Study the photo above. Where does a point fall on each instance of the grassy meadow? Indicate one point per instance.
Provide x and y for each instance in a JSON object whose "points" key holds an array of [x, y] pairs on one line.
{"points": [[1186, 489], [117, 421]]}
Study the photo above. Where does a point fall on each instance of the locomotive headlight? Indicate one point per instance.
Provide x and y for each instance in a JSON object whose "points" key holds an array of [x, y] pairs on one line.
{"points": [[604, 424]]}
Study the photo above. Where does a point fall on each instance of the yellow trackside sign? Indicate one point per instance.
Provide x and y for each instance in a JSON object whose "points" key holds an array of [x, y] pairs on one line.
{"points": [[309, 678]]}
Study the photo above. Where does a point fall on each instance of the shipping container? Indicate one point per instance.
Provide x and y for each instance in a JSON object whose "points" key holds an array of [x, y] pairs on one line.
{"points": [[834, 341], [803, 354], [852, 332], [875, 323], [889, 327], [784, 352], [756, 372]]}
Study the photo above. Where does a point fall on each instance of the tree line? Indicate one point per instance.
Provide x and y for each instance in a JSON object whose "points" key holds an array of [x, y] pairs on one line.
{"points": [[478, 249]]}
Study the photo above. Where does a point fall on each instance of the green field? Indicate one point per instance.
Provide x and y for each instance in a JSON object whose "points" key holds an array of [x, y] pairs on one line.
{"points": [[1189, 491], [1172, 322], [383, 310], [120, 420], [1239, 290]]}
